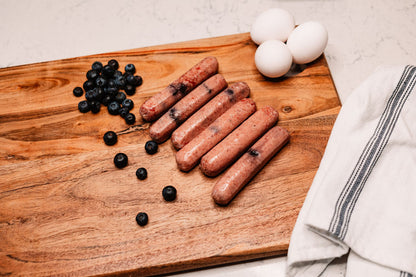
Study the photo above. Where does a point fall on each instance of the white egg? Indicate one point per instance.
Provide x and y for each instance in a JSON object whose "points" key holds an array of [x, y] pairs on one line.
{"points": [[272, 24], [273, 58], [307, 42]]}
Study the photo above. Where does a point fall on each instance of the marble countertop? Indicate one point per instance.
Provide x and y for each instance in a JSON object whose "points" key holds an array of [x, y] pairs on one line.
{"points": [[362, 36]]}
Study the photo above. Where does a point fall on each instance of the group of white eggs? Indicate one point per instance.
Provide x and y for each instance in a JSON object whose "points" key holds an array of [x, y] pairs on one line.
{"points": [[281, 43]]}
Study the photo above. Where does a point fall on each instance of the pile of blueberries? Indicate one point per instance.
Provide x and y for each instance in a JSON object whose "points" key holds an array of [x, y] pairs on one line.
{"points": [[105, 85]]}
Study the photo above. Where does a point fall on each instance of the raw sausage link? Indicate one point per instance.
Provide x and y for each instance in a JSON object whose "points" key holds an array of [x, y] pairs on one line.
{"points": [[164, 126], [242, 171], [208, 113], [154, 107], [230, 148], [190, 154]]}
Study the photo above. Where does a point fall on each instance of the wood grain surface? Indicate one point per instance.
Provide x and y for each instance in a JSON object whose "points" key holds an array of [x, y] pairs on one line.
{"points": [[65, 209]]}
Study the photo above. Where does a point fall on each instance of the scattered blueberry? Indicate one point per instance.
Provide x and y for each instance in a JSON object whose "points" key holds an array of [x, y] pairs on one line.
{"points": [[128, 103], [142, 219], [138, 80], [130, 118], [141, 173], [110, 138], [169, 193], [130, 68], [120, 160], [78, 91], [113, 108], [83, 106], [151, 147]]}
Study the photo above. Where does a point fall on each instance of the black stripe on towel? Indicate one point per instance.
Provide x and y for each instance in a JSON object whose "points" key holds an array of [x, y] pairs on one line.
{"points": [[345, 204]]}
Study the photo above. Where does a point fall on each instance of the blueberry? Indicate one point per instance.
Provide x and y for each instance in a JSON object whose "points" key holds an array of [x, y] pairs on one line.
{"points": [[100, 82], [88, 85], [120, 160], [130, 90], [92, 74], [111, 83], [141, 173], [111, 91], [97, 66], [128, 103], [117, 74], [107, 100], [95, 106], [130, 118], [134, 80], [138, 80], [78, 91], [142, 219], [123, 112], [113, 63], [121, 82], [83, 106], [89, 95], [130, 68], [110, 138], [108, 71], [169, 193], [113, 108], [120, 97], [98, 94], [151, 147]]}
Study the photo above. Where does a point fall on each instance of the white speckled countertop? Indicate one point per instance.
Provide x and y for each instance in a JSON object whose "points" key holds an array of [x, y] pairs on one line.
{"points": [[362, 36]]}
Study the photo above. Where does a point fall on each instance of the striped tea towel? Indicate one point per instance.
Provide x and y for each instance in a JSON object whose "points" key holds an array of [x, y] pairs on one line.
{"points": [[362, 202]]}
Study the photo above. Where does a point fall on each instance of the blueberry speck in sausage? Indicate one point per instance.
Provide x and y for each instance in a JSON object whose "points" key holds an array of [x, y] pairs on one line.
{"points": [[142, 219], [78, 91], [120, 160], [141, 173], [110, 138], [151, 147], [83, 106], [169, 193]]}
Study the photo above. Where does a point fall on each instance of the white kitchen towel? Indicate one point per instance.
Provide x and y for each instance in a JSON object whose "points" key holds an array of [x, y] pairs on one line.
{"points": [[362, 202]]}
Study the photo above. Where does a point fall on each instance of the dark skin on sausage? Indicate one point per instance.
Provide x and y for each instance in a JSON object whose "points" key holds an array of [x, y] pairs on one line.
{"points": [[242, 171], [234, 145], [161, 130], [158, 104], [188, 157], [208, 113]]}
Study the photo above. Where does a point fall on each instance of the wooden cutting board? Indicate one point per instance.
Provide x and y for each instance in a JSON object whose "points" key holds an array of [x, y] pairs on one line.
{"points": [[65, 209]]}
